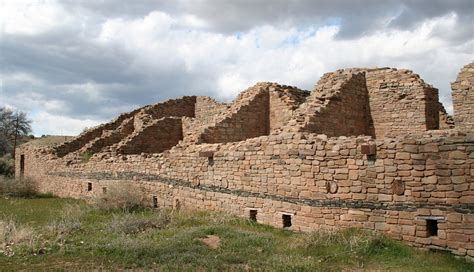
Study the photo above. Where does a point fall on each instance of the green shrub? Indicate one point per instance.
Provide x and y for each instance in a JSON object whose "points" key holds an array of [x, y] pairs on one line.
{"points": [[7, 166], [86, 156]]}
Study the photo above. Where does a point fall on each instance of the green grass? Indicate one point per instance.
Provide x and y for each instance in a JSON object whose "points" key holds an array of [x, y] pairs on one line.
{"points": [[69, 234], [86, 156], [32, 211]]}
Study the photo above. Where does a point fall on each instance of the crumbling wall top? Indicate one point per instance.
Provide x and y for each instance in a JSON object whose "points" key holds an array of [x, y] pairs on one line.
{"points": [[463, 98]]}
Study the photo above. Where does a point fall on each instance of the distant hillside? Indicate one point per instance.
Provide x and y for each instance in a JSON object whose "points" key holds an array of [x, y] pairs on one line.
{"points": [[49, 140]]}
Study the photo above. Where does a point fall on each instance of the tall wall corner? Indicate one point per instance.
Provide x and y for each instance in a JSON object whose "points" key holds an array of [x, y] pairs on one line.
{"points": [[463, 98]]}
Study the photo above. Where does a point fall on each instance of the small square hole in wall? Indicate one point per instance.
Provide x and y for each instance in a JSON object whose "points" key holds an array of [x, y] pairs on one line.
{"points": [[432, 227], [253, 215], [89, 186], [155, 201], [286, 218], [104, 190], [210, 161]]}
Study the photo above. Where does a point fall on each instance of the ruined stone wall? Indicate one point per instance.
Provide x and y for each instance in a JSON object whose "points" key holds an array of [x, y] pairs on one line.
{"points": [[102, 136], [400, 102], [207, 109], [446, 121], [157, 137], [267, 152], [395, 186], [378, 102], [338, 106], [283, 101], [463, 98], [179, 107], [248, 118], [110, 137], [91, 134]]}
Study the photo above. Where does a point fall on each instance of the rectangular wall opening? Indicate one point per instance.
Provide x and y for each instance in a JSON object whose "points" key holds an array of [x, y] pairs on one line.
{"points": [[286, 218], [210, 161], [155, 201], [104, 190], [253, 215], [89, 186], [22, 165], [432, 227]]}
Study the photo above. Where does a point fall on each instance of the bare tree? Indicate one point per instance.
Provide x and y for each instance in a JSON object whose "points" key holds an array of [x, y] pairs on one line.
{"points": [[22, 126], [6, 116], [13, 126]]}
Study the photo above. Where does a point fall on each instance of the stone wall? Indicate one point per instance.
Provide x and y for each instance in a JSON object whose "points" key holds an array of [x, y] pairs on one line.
{"points": [[207, 109], [91, 134], [393, 185], [446, 121], [390, 169], [463, 98], [400, 102], [247, 118], [259, 110], [110, 137], [378, 102], [160, 135], [103, 136], [338, 106], [284, 100], [183, 106]]}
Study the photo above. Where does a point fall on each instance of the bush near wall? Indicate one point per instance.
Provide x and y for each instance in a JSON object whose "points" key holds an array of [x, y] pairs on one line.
{"points": [[7, 166]]}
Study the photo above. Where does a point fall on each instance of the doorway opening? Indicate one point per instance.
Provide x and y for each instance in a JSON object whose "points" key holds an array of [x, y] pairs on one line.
{"points": [[22, 165]]}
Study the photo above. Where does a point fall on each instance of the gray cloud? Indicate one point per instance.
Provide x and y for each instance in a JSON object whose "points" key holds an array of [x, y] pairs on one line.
{"points": [[65, 63], [358, 17], [69, 73]]}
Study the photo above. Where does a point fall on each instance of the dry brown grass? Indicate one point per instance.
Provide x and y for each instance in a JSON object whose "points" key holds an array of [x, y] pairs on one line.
{"points": [[122, 196], [69, 221], [13, 235], [49, 140], [133, 223]]}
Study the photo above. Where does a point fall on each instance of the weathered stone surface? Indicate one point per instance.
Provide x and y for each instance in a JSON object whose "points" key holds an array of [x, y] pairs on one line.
{"points": [[398, 187], [463, 98]]}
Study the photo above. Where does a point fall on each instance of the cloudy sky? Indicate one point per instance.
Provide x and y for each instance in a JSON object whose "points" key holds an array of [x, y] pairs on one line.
{"points": [[74, 64]]}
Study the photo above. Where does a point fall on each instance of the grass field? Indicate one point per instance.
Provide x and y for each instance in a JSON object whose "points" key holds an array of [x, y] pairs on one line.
{"points": [[53, 233]]}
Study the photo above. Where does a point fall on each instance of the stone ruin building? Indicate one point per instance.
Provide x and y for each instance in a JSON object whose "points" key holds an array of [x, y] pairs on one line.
{"points": [[367, 148]]}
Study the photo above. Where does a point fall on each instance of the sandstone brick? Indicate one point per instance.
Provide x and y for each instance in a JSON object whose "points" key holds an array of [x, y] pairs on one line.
{"points": [[429, 148], [430, 180], [457, 155], [385, 197], [402, 156], [466, 199], [457, 237], [411, 148]]}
